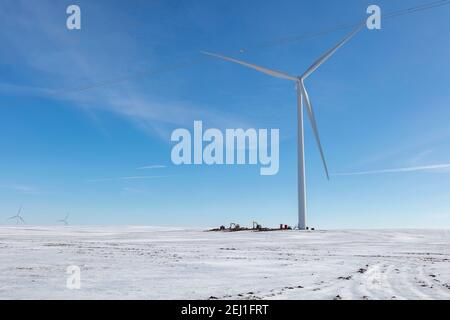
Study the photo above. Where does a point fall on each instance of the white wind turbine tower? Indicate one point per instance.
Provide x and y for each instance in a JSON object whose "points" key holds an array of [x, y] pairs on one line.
{"points": [[302, 97]]}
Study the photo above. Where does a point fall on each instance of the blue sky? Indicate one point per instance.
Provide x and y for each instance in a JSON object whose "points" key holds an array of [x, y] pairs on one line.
{"points": [[382, 102]]}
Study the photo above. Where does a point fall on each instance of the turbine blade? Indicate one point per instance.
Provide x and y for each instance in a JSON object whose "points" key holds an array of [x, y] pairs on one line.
{"points": [[329, 53], [21, 219], [312, 119], [272, 73]]}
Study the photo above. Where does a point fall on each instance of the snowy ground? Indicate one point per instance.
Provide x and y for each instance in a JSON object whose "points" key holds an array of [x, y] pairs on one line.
{"points": [[170, 263]]}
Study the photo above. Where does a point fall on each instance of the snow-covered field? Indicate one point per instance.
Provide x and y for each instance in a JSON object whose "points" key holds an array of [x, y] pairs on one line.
{"points": [[171, 263]]}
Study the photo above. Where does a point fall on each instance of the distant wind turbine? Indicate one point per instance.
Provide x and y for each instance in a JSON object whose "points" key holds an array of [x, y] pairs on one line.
{"points": [[18, 217], [65, 220], [302, 97]]}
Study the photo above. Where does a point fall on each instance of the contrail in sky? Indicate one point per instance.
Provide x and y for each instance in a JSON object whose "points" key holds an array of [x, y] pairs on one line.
{"points": [[408, 169]]}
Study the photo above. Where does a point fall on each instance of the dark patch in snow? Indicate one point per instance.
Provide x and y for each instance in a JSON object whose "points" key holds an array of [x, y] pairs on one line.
{"points": [[362, 270]]}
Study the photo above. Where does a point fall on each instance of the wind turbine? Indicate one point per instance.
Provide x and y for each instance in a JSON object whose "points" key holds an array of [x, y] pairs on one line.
{"points": [[65, 220], [302, 97], [18, 217]]}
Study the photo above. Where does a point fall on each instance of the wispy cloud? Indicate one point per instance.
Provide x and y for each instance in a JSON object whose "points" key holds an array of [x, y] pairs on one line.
{"points": [[23, 90], [19, 188], [420, 157], [430, 168], [155, 113], [153, 166], [127, 178], [132, 190]]}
